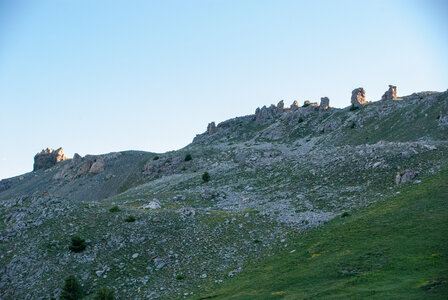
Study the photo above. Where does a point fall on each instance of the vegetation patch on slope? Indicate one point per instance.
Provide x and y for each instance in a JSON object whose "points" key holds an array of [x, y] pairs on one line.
{"points": [[395, 249]]}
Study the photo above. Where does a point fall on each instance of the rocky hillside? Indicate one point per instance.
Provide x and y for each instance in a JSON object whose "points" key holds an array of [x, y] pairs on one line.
{"points": [[155, 227]]}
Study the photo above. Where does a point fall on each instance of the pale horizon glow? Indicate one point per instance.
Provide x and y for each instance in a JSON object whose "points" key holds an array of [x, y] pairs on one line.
{"points": [[103, 76]]}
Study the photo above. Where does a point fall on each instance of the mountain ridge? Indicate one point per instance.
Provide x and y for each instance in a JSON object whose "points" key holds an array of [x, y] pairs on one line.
{"points": [[273, 176]]}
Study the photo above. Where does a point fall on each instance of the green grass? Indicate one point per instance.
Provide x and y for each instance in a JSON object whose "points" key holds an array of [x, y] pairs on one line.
{"points": [[395, 249]]}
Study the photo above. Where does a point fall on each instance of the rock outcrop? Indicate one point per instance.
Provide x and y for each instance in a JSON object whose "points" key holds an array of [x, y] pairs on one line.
{"points": [[281, 106], [294, 105], [263, 114], [324, 103], [211, 128], [358, 97], [390, 94], [47, 158]]}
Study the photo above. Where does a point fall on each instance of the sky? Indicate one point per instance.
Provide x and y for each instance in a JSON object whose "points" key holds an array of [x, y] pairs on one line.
{"points": [[102, 76]]}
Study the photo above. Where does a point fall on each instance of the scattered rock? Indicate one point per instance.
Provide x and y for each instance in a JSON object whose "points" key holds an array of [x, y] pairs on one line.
{"points": [[179, 198], [151, 205], [135, 255], [405, 155], [159, 263], [377, 164], [234, 272], [187, 211], [209, 194]]}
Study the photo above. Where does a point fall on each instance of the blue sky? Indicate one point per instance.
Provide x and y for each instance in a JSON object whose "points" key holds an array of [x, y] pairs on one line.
{"points": [[102, 76]]}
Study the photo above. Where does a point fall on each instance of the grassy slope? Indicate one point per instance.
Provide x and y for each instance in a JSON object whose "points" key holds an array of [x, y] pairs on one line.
{"points": [[395, 249]]}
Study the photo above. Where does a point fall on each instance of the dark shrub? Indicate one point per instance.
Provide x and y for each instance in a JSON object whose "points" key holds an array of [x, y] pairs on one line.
{"points": [[130, 219], [180, 277], [114, 209], [156, 158], [205, 177], [78, 244], [353, 125], [301, 119], [353, 107], [188, 157], [306, 103], [72, 289], [104, 294], [345, 214]]}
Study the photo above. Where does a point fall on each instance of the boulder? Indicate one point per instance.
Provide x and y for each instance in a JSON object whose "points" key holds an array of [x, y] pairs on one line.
{"points": [[48, 158], [358, 97], [390, 94], [98, 166], [405, 176]]}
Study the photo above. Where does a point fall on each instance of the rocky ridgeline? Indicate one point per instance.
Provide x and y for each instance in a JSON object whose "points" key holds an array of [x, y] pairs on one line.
{"points": [[48, 158], [266, 114]]}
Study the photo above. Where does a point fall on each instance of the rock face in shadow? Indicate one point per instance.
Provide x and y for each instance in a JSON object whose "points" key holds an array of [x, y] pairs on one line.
{"points": [[358, 97], [47, 158], [390, 94]]}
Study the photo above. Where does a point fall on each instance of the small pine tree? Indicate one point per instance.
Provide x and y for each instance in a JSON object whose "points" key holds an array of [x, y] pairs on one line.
{"points": [[130, 219], [205, 177], [188, 157], [104, 294], [72, 290], [114, 209], [156, 158], [78, 244]]}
